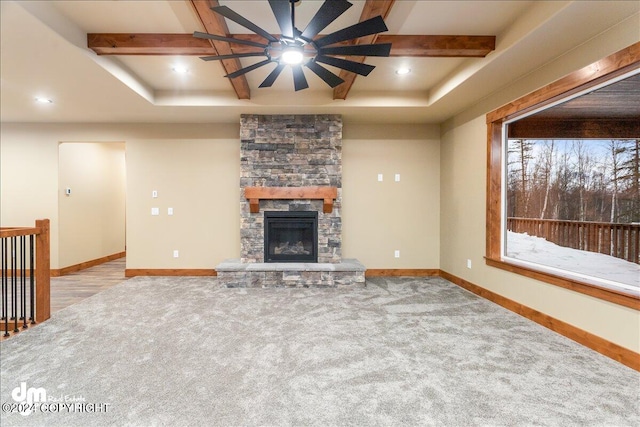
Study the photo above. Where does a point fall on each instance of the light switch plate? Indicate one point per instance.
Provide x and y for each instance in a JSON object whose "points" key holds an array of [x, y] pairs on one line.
{"points": [[154, 193], [155, 211], [379, 177], [397, 177], [170, 211]]}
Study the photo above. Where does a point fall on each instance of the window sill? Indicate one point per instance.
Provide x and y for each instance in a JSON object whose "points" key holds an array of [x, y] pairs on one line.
{"points": [[609, 295]]}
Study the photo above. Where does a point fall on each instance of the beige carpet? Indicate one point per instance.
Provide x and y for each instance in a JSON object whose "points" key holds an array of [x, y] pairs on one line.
{"points": [[401, 352]]}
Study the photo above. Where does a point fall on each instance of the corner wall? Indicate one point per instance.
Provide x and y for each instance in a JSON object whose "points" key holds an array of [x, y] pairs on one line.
{"points": [[382, 217], [92, 217], [463, 189]]}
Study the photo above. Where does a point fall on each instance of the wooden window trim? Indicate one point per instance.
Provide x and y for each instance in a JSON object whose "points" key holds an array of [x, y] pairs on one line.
{"points": [[597, 73]]}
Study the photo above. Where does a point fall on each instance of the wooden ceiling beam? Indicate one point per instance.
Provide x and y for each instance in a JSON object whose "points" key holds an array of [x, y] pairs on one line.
{"points": [[185, 44], [148, 44], [439, 46], [420, 46], [372, 8], [215, 24]]}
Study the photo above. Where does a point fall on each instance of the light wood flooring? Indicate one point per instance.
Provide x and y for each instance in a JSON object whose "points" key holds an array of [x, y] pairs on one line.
{"points": [[75, 287], [72, 288]]}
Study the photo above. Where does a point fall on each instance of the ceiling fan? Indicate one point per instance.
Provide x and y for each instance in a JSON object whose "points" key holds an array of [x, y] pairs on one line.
{"points": [[297, 48]]}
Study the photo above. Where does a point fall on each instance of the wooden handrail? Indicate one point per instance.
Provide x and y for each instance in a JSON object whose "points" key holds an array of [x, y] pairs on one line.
{"points": [[18, 231]]}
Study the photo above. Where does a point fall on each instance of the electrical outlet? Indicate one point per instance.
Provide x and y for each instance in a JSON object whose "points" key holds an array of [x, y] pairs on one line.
{"points": [[397, 177], [468, 263], [397, 253], [175, 253], [380, 177], [154, 193], [169, 211]]}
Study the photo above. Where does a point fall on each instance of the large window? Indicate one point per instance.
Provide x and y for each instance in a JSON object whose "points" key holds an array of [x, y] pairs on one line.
{"points": [[563, 189]]}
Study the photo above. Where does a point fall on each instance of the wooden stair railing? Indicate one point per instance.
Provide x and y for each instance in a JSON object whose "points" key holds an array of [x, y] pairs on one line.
{"points": [[26, 270]]}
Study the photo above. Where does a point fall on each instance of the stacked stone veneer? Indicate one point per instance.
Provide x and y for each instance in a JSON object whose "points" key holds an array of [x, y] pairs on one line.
{"points": [[232, 273], [290, 151]]}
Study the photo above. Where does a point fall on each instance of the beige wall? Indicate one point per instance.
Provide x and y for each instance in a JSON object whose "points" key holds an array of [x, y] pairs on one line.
{"points": [[30, 173], [463, 189], [29, 180], [200, 180], [381, 217], [92, 217]]}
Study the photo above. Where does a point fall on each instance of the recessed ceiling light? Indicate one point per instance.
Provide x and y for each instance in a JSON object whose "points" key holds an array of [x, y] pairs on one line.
{"points": [[44, 100], [403, 71], [180, 69]]}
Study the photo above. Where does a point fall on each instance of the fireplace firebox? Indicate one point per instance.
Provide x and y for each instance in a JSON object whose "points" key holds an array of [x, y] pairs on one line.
{"points": [[290, 236]]}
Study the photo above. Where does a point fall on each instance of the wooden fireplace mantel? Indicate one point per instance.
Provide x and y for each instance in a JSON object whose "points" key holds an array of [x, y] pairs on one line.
{"points": [[327, 194]]}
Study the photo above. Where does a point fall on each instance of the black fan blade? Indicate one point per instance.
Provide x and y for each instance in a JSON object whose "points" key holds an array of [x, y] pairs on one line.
{"points": [[200, 35], [328, 12], [355, 67], [326, 75], [249, 68], [364, 28], [228, 13], [282, 11], [271, 78], [299, 80], [383, 49], [234, 56]]}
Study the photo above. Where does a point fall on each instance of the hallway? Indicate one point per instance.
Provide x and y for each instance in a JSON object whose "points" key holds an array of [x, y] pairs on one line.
{"points": [[75, 287]]}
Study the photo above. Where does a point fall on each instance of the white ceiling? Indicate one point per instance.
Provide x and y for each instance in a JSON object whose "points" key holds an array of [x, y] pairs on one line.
{"points": [[43, 53]]}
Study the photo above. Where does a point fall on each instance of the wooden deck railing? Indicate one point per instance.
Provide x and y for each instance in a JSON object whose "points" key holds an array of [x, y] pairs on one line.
{"points": [[25, 256], [618, 240]]}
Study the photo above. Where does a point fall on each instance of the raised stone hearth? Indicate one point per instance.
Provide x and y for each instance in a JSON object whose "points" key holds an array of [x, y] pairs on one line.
{"points": [[233, 274], [290, 163]]}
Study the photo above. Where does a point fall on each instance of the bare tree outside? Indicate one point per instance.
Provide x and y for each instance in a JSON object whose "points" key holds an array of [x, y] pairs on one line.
{"points": [[576, 194], [574, 180]]}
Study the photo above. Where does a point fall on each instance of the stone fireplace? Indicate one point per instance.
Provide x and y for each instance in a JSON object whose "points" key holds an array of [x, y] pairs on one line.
{"points": [[290, 167], [292, 152]]}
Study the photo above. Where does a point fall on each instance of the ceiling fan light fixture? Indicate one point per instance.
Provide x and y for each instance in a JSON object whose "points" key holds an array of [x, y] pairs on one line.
{"points": [[403, 71], [292, 43], [292, 56]]}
